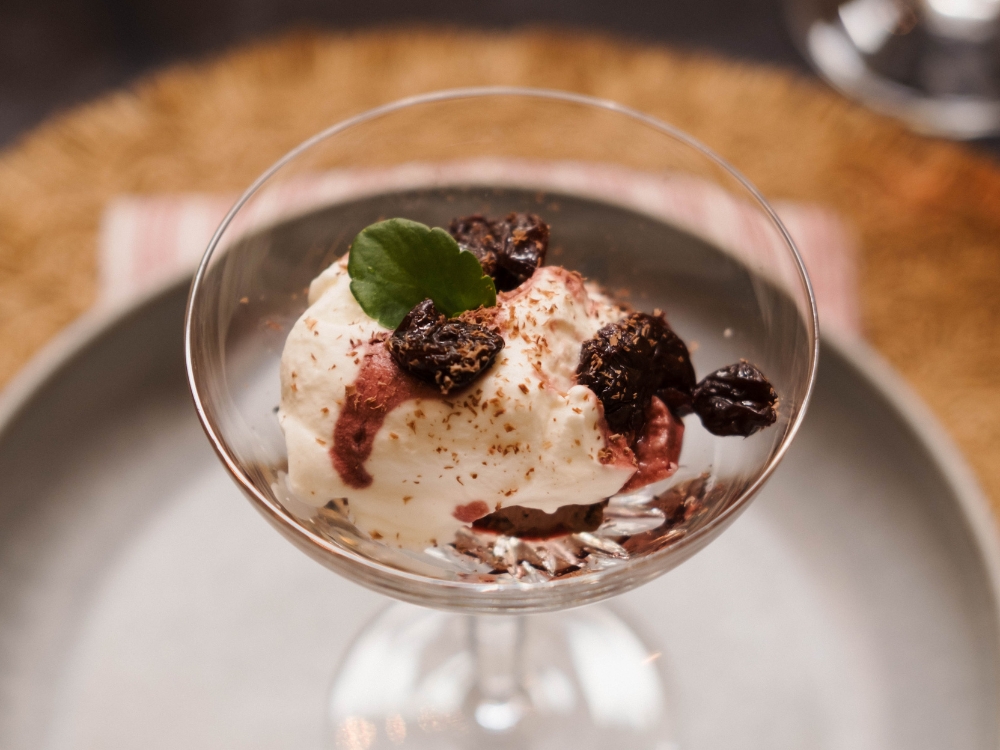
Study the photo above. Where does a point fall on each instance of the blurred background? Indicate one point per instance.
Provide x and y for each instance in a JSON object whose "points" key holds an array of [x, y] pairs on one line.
{"points": [[865, 606], [55, 53], [909, 218], [757, 80]]}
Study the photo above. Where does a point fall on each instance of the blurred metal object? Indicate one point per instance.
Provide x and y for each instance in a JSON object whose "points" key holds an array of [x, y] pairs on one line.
{"points": [[933, 63]]}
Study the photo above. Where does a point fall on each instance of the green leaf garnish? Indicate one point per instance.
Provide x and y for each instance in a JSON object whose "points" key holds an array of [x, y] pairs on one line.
{"points": [[395, 264]]}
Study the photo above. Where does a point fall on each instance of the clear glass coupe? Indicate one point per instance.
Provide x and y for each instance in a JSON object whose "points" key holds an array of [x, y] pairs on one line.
{"points": [[501, 659]]}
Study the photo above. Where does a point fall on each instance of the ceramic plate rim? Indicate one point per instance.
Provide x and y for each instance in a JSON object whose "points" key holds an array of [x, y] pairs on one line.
{"points": [[88, 328]]}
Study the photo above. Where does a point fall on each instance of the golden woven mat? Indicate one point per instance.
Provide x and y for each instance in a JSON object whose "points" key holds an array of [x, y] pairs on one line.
{"points": [[927, 212]]}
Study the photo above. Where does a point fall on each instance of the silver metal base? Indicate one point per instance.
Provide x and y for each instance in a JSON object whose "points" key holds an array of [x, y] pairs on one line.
{"points": [[938, 73]]}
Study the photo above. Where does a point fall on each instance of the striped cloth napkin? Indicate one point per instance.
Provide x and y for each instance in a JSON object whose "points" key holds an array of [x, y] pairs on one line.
{"points": [[147, 240]]}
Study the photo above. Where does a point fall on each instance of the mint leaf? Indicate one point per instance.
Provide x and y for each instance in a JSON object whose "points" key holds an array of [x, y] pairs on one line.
{"points": [[397, 263]]}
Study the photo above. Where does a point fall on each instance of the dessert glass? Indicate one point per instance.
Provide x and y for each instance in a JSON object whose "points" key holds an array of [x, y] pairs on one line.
{"points": [[502, 659]]}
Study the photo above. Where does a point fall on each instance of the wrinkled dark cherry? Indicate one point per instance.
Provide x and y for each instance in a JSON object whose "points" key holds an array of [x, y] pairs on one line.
{"points": [[525, 242], [629, 362], [736, 400], [478, 235], [677, 378], [447, 353], [508, 249], [531, 523]]}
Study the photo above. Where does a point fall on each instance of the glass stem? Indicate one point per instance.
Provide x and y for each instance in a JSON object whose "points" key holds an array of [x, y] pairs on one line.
{"points": [[498, 644]]}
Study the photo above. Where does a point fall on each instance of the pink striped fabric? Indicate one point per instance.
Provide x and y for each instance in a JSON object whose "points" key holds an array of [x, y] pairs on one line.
{"points": [[146, 240]]}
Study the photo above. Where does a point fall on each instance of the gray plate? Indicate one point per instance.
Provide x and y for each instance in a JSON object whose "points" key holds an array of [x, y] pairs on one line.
{"points": [[143, 604]]}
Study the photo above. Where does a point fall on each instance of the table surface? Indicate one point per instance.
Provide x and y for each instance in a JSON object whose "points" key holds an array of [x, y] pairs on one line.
{"points": [[57, 53]]}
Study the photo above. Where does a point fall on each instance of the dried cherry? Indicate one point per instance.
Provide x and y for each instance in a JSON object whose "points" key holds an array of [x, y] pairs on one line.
{"points": [[629, 362], [479, 236], [736, 400], [508, 249], [449, 353], [525, 242]]}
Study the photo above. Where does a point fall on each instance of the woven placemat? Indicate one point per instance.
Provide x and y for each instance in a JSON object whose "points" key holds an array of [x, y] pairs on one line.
{"points": [[927, 212]]}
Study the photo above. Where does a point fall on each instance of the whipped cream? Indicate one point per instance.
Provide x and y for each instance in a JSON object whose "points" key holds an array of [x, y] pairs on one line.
{"points": [[414, 465]]}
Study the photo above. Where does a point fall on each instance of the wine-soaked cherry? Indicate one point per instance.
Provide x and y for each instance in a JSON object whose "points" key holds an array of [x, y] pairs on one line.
{"points": [[736, 400], [677, 378], [629, 362], [479, 236], [508, 249], [525, 241], [448, 353]]}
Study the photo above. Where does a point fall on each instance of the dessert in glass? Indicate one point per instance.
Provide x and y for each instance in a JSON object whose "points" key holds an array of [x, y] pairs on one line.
{"points": [[501, 353]]}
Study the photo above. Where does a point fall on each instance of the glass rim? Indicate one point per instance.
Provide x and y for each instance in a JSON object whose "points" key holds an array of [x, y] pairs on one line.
{"points": [[293, 529]]}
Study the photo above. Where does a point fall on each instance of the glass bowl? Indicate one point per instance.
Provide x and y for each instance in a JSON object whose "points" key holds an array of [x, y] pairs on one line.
{"points": [[634, 205], [722, 267]]}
